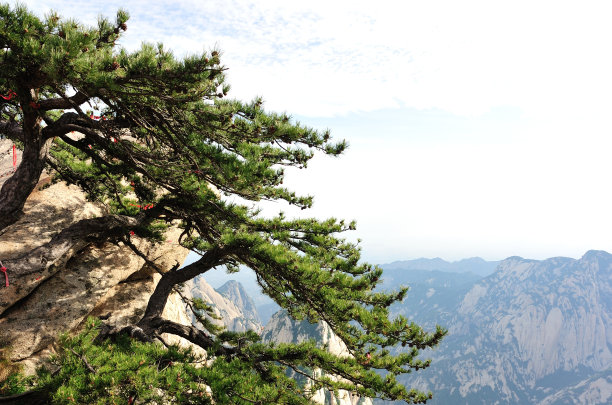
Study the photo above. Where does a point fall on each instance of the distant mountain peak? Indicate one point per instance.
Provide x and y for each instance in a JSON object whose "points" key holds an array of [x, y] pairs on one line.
{"points": [[596, 254], [235, 292], [536, 331], [230, 302], [231, 285], [474, 259], [516, 258]]}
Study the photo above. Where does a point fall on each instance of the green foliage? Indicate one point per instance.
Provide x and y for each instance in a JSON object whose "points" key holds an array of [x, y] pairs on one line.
{"points": [[16, 383], [172, 149], [119, 371], [112, 372]]}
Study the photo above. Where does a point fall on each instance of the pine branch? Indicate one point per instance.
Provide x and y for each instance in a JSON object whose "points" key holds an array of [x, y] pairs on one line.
{"points": [[84, 360], [63, 103]]}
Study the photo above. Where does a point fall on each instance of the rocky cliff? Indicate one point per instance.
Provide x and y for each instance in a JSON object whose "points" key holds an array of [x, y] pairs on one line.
{"points": [[596, 389], [532, 332], [95, 280], [282, 329], [235, 293], [236, 308]]}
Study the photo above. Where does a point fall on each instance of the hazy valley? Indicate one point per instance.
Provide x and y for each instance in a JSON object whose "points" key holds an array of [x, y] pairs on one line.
{"points": [[520, 331]]}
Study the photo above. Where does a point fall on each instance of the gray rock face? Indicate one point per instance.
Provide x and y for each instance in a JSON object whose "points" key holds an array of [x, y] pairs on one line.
{"points": [[594, 390], [235, 315], [237, 295], [557, 311], [531, 332], [282, 329], [97, 280]]}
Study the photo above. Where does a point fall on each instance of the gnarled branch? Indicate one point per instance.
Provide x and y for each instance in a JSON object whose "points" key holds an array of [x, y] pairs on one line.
{"points": [[157, 302], [11, 129], [63, 103], [63, 125]]}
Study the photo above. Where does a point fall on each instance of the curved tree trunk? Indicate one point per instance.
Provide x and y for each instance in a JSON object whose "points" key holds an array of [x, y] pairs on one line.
{"points": [[16, 190]]}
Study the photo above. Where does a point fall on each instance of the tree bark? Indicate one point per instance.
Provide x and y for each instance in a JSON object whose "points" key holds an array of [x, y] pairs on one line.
{"points": [[36, 141], [152, 324], [157, 302], [11, 129], [16, 190]]}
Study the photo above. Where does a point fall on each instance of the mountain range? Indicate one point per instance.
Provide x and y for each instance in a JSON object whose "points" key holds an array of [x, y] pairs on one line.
{"points": [[230, 302], [526, 332], [533, 332], [474, 265]]}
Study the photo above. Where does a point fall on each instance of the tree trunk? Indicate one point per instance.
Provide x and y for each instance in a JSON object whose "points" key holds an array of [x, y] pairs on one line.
{"points": [[16, 190]]}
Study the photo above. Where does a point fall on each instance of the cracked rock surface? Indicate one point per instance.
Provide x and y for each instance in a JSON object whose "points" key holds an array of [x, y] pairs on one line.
{"points": [[95, 281]]}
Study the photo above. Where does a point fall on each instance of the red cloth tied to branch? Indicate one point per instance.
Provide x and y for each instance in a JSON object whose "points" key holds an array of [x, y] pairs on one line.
{"points": [[14, 158], [4, 269], [9, 96], [144, 207]]}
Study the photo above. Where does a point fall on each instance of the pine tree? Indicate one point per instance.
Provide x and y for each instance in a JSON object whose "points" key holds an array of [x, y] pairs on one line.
{"points": [[169, 147]]}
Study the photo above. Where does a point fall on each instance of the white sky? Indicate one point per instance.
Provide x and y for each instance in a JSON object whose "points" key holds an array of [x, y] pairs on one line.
{"points": [[477, 128]]}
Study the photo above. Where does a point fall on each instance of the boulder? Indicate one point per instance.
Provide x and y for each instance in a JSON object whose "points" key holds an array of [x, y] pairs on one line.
{"points": [[97, 280]]}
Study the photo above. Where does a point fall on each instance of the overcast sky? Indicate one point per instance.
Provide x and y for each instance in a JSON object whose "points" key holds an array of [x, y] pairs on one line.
{"points": [[477, 128]]}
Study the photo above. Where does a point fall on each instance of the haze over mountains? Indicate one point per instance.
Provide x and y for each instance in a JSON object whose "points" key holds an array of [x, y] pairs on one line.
{"points": [[520, 331], [532, 332], [393, 277], [474, 265]]}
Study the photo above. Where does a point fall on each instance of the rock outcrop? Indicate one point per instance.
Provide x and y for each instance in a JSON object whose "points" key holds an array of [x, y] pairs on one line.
{"points": [[97, 280], [282, 329], [235, 293], [532, 332], [593, 390], [236, 308]]}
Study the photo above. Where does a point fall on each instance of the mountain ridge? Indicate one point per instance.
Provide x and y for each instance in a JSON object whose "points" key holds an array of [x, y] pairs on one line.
{"points": [[476, 265], [235, 292], [526, 333]]}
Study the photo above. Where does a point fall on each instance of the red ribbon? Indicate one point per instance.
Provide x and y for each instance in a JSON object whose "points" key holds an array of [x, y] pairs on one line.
{"points": [[144, 207], [10, 95], [4, 269], [14, 158], [34, 105]]}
